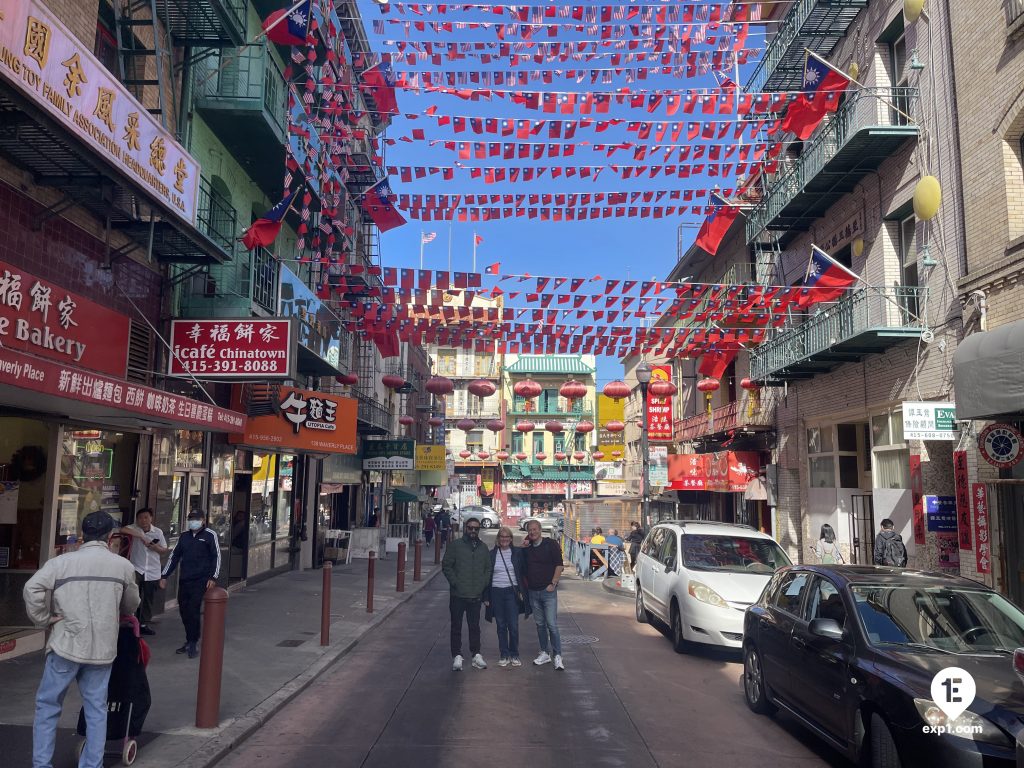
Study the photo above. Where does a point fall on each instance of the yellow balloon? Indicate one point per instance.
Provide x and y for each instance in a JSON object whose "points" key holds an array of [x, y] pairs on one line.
{"points": [[858, 247], [927, 197], [912, 10], [853, 71]]}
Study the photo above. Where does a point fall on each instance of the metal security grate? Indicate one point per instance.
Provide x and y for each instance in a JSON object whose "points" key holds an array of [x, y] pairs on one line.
{"points": [[140, 352]]}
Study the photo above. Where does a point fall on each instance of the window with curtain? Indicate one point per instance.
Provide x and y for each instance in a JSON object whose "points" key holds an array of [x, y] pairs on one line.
{"points": [[889, 453], [821, 457], [538, 442], [518, 441]]}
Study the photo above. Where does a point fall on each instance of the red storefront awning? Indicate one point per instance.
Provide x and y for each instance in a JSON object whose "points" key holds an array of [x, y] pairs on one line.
{"points": [[724, 472]]}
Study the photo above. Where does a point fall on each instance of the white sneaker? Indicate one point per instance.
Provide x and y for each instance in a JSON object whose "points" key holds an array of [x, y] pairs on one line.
{"points": [[457, 664], [478, 662], [558, 662], [516, 662], [503, 662], [542, 658]]}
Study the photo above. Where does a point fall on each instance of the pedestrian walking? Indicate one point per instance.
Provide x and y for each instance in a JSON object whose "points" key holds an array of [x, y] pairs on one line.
{"points": [[826, 550], [889, 547], [80, 596], [506, 597], [428, 528], [543, 570], [467, 566], [444, 525], [633, 542], [147, 545], [198, 554]]}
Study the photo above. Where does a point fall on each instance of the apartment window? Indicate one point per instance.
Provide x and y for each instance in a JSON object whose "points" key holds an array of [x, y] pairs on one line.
{"points": [[538, 442], [895, 41], [908, 266], [518, 442], [446, 362], [475, 440], [482, 365], [890, 454], [821, 457], [559, 443]]}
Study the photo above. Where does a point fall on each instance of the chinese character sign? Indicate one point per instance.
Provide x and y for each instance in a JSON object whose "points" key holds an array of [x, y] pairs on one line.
{"points": [[982, 531], [659, 409], [963, 499], [247, 348], [940, 513], [389, 454], [317, 422], [44, 60], [687, 472], [929, 421]]}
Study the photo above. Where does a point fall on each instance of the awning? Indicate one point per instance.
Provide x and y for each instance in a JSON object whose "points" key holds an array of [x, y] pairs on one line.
{"points": [[403, 493], [987, 374]]}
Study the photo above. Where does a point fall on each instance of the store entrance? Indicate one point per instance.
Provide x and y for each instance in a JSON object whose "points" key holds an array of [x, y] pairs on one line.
{"points": [[176, 495]]}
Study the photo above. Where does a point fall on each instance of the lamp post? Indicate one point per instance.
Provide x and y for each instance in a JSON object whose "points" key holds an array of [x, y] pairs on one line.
{"points": [[643, 378]]}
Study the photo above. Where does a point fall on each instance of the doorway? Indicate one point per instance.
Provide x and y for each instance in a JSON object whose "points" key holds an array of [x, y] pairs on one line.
{"points": [[177, 494], [862, 526]]}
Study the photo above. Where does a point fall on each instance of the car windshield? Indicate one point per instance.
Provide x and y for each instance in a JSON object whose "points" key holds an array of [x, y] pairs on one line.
{"points": [[948, 619], [732, 553]]}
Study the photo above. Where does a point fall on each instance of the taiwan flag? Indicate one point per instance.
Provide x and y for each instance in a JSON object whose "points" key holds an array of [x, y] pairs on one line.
{"points": [[822, 87], [263, 231], [826, 279], [378, 202], [713, 230], [381, 79], [289, 26]]}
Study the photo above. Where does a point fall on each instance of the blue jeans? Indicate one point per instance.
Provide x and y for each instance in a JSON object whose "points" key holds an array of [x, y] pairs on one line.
{"points": [[92, 679], [545, 613], [506, 617]]}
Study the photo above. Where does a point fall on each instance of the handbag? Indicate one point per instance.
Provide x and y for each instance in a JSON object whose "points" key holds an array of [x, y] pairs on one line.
{"points": [[520, 600]]}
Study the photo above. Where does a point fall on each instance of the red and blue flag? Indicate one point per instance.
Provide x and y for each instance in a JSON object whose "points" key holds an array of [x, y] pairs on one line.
{"points": [[264, 230], [713, 230], [819, 95], [826, 279], [289, 26]]}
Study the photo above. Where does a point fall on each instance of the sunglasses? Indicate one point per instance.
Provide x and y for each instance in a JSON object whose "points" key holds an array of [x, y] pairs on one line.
{"points": [[472, 527]]}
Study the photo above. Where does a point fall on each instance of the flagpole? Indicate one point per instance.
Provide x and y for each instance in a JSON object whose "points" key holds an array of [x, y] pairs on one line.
{"points": [[838, 71], [421, 249], [449, 246], [474, 251]]}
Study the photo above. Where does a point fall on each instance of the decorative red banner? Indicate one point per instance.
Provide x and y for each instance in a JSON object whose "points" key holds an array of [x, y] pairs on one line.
{"points": [[963, 499], [916, 495], [979, 502]]}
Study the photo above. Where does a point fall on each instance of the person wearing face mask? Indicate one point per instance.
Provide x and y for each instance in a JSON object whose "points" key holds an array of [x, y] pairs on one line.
{"points": [[198, 554]]}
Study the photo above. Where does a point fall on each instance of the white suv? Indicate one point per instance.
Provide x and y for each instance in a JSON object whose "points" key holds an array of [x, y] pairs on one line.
{"points": [[699, 577]]}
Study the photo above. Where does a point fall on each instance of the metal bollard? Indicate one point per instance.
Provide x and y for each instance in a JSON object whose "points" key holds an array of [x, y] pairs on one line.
{"points": [[437, 548], [417, 561], [211, 662], [371, 563], [325, 605], [400, 579]]}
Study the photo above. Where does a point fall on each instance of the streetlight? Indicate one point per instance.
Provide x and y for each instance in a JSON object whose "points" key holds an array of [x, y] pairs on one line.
{"points": [[643, 378]]}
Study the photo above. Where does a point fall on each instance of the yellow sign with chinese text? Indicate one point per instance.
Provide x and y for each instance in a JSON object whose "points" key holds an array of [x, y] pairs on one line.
{"points": [[430, 458]]}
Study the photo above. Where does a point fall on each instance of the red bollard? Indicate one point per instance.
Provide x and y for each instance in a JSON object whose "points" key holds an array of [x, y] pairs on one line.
{"points": [[325, 605], [370, 567], [417, 561], [437, 548], [400, 580], [211, 662]]}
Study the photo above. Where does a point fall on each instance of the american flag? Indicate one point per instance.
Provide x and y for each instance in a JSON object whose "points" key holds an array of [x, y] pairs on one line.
{"points": [[428, 237]]}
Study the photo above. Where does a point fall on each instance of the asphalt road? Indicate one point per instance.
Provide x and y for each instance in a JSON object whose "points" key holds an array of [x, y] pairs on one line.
{"points": [[625, 699]]}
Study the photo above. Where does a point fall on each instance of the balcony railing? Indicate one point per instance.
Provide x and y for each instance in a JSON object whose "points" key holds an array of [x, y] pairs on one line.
{"points": [[264, 279], [752, 411], [244, 79], [876, 317], [551, 410], [216, 217], [199, 22], [373, 416], [864, 109]]}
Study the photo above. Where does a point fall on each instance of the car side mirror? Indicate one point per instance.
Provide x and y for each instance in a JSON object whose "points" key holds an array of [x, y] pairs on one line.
{"points": [[828, 628]]}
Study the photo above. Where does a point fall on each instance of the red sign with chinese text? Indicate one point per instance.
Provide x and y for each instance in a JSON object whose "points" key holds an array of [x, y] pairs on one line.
{"points": [[917, 497], [963, 499], [232, 349], [42, 318], [687, 472], [979, 503], [723, 472], [659, 409]]}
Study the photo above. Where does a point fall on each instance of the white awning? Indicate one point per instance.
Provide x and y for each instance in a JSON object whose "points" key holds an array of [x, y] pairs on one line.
{"points": [[988, 373]]}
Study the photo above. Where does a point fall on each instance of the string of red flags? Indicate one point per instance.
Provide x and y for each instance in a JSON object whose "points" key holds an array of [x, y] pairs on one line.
{"points": [[688, 12]]}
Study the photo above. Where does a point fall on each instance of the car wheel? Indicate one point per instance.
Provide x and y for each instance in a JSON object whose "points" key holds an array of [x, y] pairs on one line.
{"points": [[883, 747], [753, 682], [642, 614], [486, 523], [679, 642]]}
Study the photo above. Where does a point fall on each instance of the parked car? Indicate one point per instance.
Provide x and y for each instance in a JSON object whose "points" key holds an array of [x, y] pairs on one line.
{"points": [[549, 521], [487, 516], [851, 651], [698, 577]]}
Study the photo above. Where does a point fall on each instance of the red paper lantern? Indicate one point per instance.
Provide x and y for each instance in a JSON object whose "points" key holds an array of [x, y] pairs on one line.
{"points": [[585, 427], [579, 455], [435, 421], [598, 455], [439, 386], [615, 426], [573, 390], [559, 456], [483, 455], [392, 381], [616, 390], [501, 455], [466, 424], [616, 454], [465, 454], [661, 388], [554, 427], [708, 385], [495, 425], [527, 389], [750, 385], [406, 421], [521, 457], [348, 379], [525, 426], [541, 456], [482, 388]]}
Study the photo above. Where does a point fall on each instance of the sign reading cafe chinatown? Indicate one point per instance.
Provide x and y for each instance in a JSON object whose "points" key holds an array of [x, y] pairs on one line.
{"points": [[245, 348], [40, 57], [42, 318]]}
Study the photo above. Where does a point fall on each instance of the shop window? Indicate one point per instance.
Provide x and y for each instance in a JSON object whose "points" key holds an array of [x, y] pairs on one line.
{"points": [[285, 495], [24, 477], [261, 500], [890, 454]]}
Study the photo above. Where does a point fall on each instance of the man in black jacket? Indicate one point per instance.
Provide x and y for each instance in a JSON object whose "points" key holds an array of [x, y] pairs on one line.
{"points": [[198, 554]]}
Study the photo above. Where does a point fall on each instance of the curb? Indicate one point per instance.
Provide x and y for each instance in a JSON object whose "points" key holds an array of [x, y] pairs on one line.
{"points": [[610, 586], [240, 729]]}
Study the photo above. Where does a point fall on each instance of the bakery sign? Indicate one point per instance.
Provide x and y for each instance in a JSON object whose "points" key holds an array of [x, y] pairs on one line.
{"points": [[246, 348], [41, 318]]}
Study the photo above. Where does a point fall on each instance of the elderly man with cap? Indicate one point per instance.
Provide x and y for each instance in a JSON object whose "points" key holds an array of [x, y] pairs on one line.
{"points": [[80, 596], [198, 554]]}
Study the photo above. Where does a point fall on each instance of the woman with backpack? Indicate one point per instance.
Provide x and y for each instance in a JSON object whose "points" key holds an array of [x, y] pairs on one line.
{"points": [[826, 549]]}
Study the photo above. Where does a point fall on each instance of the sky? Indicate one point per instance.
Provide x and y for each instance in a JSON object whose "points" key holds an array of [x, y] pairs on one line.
{"points": [[623, 248]]}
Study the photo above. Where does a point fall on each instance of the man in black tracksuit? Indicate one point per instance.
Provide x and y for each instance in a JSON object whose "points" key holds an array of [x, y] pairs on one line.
{"points": [[198, 554]]}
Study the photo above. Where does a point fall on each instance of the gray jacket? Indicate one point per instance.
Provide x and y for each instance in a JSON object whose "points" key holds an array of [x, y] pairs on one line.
{"points": [[83, 595]]}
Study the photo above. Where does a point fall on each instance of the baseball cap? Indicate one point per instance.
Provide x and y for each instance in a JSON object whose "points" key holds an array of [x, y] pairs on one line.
{"points": [[97, 524], [196, 514]]}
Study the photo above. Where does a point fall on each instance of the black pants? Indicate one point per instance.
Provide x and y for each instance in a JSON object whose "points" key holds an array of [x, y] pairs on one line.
{"points": [[147, 591], [471, 608], [190, 603]]}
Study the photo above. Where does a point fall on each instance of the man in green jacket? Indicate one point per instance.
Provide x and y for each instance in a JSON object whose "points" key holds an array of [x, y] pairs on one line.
{"points": [[467, 566]]}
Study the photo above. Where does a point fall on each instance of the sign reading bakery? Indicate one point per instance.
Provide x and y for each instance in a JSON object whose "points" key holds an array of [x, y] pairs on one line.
{"points": [[315, 422], [246, 348], [41, 318]]}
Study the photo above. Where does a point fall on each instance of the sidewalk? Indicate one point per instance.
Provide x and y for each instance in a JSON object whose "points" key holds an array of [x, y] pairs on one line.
{"points": [[272, 652]]}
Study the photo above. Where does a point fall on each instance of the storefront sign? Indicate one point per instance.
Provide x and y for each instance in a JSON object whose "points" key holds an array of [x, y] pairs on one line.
{"points": [[319, 327], [963, 499], [44, 377], [608, 471], [245, 348], [949, 551], [42, 318], [979, 502], [940, 513], [40, 57], [430, 458], [659, 409], [341, 469], [315, 422], [686, 472], [389, 454], [929, 421], [731, 471], [487, 481], [1000, 445], [658, 469], [917, 497], [549, 487], [611, 489], [609, 410]]}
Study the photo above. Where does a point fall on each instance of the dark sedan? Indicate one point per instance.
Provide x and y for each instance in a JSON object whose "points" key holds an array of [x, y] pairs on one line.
{"points": [[851, 652]]}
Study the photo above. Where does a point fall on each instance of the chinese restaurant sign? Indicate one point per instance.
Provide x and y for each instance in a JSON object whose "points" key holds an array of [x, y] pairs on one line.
{"points": [[659, 409], [548, 487], [686, 472], [929, 421], [232, 349], [48, 378], [315, 422], [40, 56], [389, 454], [724, 472], [42, 318], [609, 410]]}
